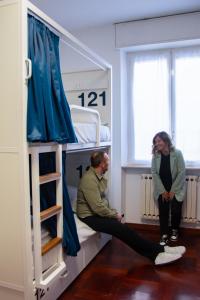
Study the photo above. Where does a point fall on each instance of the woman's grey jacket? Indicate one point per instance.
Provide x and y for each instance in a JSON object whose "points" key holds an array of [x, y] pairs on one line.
{"points": [[177, 166]]}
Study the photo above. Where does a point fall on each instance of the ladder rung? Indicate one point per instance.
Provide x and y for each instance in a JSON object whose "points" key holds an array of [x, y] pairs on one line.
{"points": [[49, 212], [51, 244], [49, 177]]}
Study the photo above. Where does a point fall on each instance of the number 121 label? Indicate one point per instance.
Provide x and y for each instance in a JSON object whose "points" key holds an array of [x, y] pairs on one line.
{"points": [[91, 98]]}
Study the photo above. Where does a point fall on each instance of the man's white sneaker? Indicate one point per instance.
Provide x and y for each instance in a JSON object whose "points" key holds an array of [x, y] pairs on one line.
{"points": [[175, 250], [164, 258]]}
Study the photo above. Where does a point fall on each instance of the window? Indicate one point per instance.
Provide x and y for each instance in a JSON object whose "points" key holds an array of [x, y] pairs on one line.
{"points": [[164, 89]]}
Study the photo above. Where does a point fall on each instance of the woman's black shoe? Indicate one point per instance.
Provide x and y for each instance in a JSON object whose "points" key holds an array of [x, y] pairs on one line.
{"points": [[164, 240], [174, 235]]}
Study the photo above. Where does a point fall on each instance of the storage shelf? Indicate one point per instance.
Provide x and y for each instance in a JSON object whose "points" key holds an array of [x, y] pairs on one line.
{"points": [[51, 244], [49, 212], [49, 177]]}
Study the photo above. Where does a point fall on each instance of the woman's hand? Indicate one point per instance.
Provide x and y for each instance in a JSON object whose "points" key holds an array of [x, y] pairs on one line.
{"points": [[165, 196], [171, 195]]}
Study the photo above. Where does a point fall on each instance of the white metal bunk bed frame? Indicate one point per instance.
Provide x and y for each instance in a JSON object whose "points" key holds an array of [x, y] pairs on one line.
{"points": [[69, 40], [96, 115], [66, 37], [24, 286]]}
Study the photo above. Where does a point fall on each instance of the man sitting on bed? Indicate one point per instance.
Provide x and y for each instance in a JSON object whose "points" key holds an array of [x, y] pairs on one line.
{"points": [[94, 210]]}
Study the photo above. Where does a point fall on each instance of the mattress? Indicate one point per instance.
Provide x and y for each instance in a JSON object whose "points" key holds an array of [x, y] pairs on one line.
{"points": [[86, 133], [83, 230]]}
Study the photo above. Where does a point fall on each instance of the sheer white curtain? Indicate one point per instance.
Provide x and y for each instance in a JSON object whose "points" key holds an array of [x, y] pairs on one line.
{"points": [[149, 110], [187, 102]]}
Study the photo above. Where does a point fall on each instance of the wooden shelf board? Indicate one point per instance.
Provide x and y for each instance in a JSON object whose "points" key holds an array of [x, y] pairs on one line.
{"points": [[49, 177], [49, 212], [51, 244]]}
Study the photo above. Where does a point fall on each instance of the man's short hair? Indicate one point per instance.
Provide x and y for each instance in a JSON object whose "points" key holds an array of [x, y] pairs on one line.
{"points": [[96, 158]]}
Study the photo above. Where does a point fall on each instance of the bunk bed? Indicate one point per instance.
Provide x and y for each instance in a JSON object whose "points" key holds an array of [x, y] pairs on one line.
{"points": [[89, 129], [27, 274]]}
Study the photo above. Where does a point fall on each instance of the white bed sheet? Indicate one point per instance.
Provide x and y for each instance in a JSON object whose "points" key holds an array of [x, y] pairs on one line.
{"points": [[86, 133], [83, 230]]}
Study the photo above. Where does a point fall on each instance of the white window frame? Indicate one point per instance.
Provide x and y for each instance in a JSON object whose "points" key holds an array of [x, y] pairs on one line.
{"points": [[172, 120]]}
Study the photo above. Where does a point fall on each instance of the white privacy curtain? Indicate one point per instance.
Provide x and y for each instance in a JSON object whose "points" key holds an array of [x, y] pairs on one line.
{"points": [[149, 110], [187, 102]]}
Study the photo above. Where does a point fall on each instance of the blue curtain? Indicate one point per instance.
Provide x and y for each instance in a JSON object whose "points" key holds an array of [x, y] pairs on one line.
{"points": [[49, 119], [48, 115], [47, 199]]}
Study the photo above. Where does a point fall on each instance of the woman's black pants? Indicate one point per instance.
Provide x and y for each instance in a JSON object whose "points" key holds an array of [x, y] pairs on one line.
{"points": [[121, 231], [164, 213]]}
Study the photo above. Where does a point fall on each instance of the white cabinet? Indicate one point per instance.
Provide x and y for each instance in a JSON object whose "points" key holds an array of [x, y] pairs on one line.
{"points": [[15, 229]]}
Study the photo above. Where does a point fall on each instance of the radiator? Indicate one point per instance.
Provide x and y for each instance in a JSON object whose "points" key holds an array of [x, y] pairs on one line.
{"points": [[191, 209], [149, 206]]}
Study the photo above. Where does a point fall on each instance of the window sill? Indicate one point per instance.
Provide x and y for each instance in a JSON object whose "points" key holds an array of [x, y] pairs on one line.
{"points": [[148, 166], [136, 166], [189, 167]]}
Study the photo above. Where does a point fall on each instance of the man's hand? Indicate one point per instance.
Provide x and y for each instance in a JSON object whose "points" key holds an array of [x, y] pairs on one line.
{"points": [[119, 217]]}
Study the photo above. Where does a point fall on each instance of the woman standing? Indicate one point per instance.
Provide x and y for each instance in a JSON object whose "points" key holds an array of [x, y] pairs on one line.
{"points": [[168, 171]]}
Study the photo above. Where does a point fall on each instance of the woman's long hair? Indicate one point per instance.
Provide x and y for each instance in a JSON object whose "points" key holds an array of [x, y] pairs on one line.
{"points": [[164, 136]]}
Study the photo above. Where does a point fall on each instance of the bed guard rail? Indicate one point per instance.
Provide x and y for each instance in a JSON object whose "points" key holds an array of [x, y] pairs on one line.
{"points": [[81, 114]]}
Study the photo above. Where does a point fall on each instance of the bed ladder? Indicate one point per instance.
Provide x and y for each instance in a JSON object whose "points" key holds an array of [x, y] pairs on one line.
{"points": [[44, 279]]}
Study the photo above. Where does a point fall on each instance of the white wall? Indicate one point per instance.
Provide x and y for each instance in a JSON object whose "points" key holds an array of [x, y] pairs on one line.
{"points": [[133, 195], [183, 27], [141, 35], [102, 41], [126, 182]]}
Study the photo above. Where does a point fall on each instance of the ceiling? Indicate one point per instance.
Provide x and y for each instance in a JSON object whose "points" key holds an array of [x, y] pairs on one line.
{"points": [[80, 14]]}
